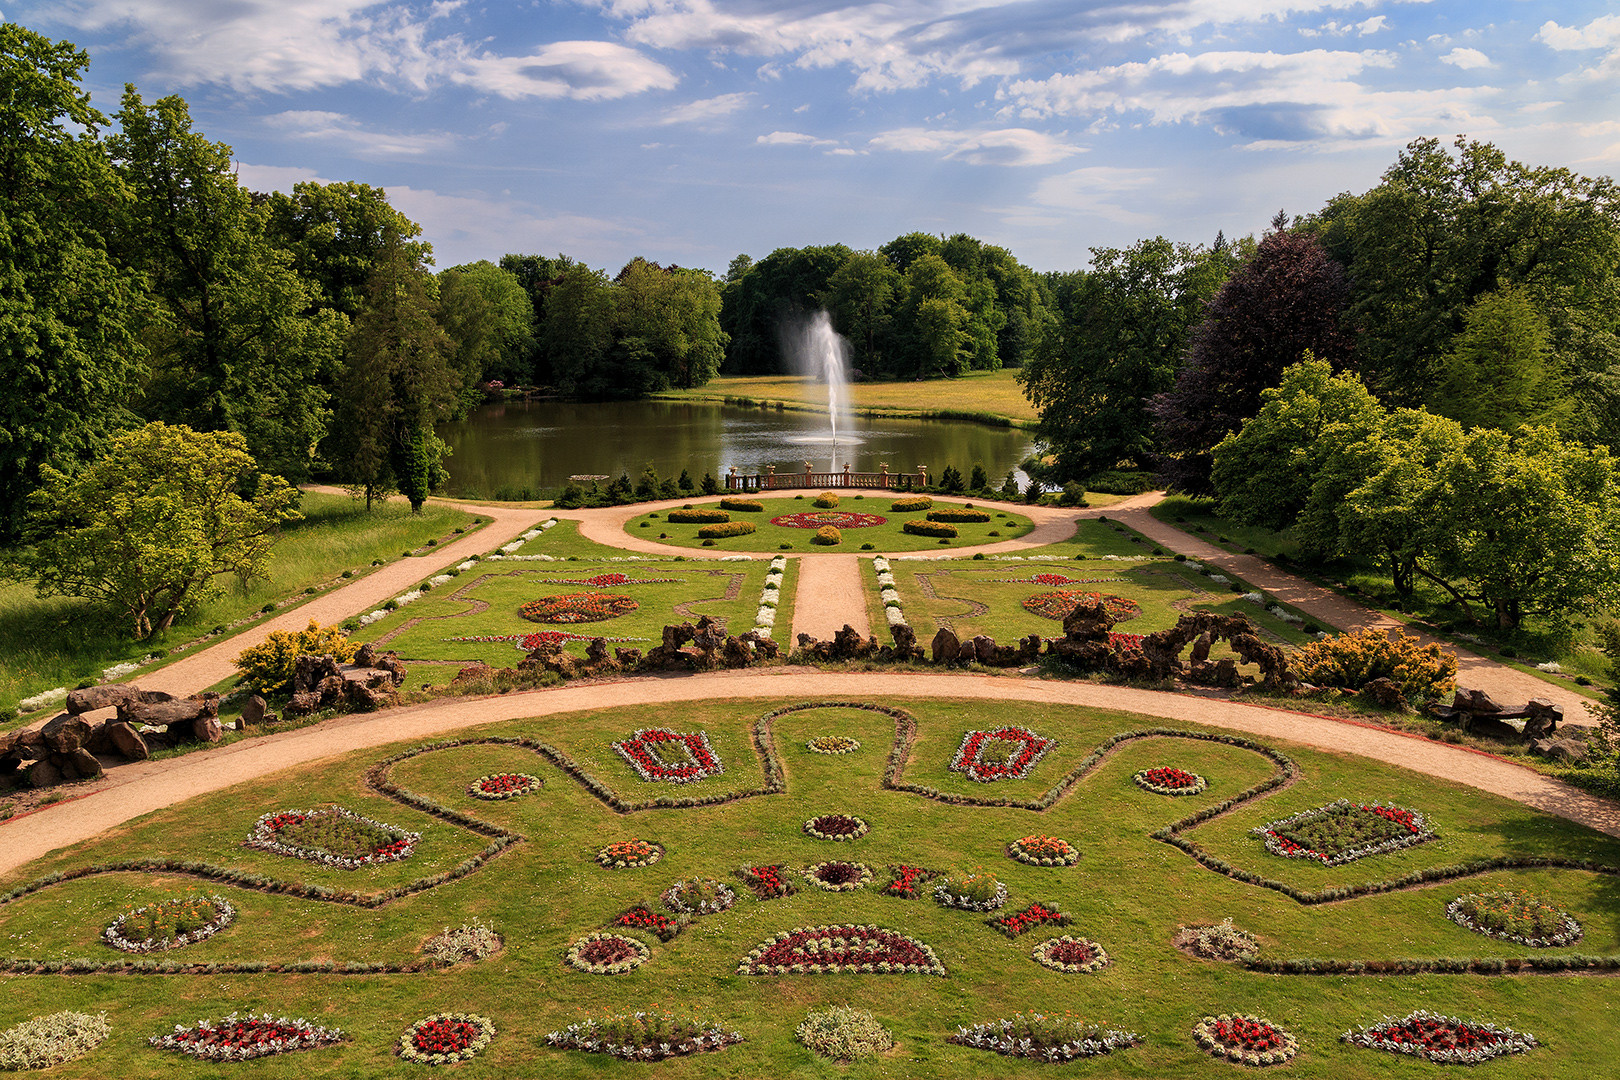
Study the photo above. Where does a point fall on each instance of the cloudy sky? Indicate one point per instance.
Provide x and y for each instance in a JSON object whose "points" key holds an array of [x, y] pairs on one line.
{"points": [[690, 131]]}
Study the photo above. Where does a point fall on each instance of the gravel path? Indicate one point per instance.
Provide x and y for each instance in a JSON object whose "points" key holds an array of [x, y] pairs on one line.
{"points": [[830, 593]]}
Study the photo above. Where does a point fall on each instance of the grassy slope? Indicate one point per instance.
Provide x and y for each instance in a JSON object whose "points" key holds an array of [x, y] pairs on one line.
{"points": [[985, 393]]}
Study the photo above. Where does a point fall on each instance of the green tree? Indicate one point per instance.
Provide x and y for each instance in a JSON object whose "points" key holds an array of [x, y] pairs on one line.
{"points": [[578, 330], [937, 332], [675, 312], [783, 288], [335, 234], [151, 526], [488, 315], [1500, 369], [69, 354], [861, 296]]}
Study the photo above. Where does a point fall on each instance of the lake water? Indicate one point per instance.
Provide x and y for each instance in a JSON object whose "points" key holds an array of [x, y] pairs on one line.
{"points": [[540, 444]]}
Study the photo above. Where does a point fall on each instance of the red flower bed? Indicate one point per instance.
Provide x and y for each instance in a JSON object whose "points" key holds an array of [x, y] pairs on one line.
{"points": [[1058, 605], [837, 518], [907, 881], [578, 608], [1245, 1039], [836, 827], [1166, 780], [647, 748], [1445, 1040], [445, 1037], [1124, 642], [977, 759], [602, 581], [1343, 831], [817, 949], [239, 1038], [766, 882], [499, 786], [642, 917], [1019, 922]]}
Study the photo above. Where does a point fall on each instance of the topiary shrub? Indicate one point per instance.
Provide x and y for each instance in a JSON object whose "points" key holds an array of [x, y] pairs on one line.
{"points": [[827, 536], [1351, 661], [929, 528], [1074, 494], [51, 1040], [721, 531], [748, 506], [910, 506], [268, 666], [827, 500], [844, 1033], [697, 517], [958, 514]]}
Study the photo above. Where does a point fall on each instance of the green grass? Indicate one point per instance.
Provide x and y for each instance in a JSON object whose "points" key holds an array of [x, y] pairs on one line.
{"points": [[1128, 892], [886, 537], [62, 641], [992, 396]]}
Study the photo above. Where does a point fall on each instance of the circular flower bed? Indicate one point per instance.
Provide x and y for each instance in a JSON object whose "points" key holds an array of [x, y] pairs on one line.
{"points": [[445, 1037], [836, 827], [1044, 1038], [239, 1038], [607, 954], [838, 876], [630, 854], [1039, 850], [1071, 955], [1516, 915], [169, 924], [1444, 1040], [817, 949], [1248, 1040], [1343, 831], [498, 786], [699, 896], [838, 519], [643, 1036], [332, 837], [1170, 781], [578, 608], [1007, 753], [973, 892], [832, 744], [1060, 604], [55, 1039]]}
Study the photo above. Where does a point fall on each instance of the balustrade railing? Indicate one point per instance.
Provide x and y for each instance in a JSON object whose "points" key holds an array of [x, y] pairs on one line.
{"points": [[777, 481]]}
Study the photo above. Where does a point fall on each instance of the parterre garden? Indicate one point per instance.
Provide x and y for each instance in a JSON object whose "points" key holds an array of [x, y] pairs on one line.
{"points": [[695, 881], [871, 522]]}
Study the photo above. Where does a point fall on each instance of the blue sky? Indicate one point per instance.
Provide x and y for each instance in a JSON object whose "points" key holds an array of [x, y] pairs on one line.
{"points": [[689, 131]]}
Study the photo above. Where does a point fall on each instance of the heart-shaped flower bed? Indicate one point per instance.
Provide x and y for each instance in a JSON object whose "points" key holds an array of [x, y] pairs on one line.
{"points": [[643, 1036], [1248, 1040], [332, 837], [816, 949], [1071, 955], [699, 896], [674, 757], [971, 892], [1044, 1038], [642, 917], [833, 744], [1037, 850], [838, 519], [578, 608], [836, 827], [838, 876], [1007, 753], [607, 954], [1059, 605], [630, 854], [767, 882], [1020, 922], [239, 1038], [1444, 1040], [907, 881], [498, 786], [1515, 915], [1343, 831], [445, 1037], [1166, 780], [169, 924]]}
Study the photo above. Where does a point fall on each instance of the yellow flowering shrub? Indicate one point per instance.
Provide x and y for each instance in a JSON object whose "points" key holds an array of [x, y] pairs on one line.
{"points": [[1351, 661], [268, 666]]}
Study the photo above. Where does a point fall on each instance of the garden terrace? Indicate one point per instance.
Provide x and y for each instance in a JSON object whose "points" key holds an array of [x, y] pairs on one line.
{"points": [[860, 519]]}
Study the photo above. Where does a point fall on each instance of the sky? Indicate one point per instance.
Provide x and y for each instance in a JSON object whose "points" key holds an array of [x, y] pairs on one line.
{"points": [[691, 131]]}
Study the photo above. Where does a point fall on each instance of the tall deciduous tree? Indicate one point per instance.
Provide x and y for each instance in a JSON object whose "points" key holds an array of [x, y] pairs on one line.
{"points": [[336, 233], [487, 313], [1499, 372]]}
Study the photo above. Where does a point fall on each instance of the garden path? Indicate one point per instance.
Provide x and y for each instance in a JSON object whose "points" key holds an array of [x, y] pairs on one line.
{"points": [[132, 790], [831, 592]]}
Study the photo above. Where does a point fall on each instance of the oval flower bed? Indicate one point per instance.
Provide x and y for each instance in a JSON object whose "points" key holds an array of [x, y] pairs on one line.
{"points": [[766, 882], [1248, 1040], [838, 519], [1007, 753], [699, 896], [907, 881], [1515, 915], [630, 854], [818, 949], [1166, 780], [838, 876], [1019, 922], [578, 608], [1071, 955], [1037, 850], [603, 581], [332, 837], [498, 786], [671, 756], [445, 1037], [642, 917], [1444, 1040], [836, 827], [169, 924], [643, 1036], [1044, 1038], [1343, 831], [607, 954], [971, 892], [832, 744], [239, 1038], [54, 1039], [1060, 604]]}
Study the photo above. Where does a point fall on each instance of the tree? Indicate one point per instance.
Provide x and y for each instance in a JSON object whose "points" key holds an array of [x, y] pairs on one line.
{"points": [[937, 334], [69, 354], [674, 313], [487, 313], [578, 330], [861, 297], [784, 287], [1500, 369], [335, 234], [150, 527]]}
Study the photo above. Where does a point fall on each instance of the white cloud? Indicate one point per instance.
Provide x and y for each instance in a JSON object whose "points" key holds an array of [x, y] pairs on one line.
{"points": [[466, 227], [1104, 191], [696, 112], [793, 138], [1372, 25], [1467, 59], [1601, 33], [1003, 146], [584, 70], [340, 128], [275, 177]]}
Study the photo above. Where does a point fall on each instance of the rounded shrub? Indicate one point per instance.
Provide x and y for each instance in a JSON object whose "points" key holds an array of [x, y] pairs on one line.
{"points": [[911, 505], [827, 536], [747, 506], [827, 500], [51, 1040], [698, 517], [724, 529], [929, 528]]}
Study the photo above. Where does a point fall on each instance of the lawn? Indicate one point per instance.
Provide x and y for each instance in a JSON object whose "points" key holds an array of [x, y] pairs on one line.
{"points": [[981, 394], [1128, 892], [888, 535]]}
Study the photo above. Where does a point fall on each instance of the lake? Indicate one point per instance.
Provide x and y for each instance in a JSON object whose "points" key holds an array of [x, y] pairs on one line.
{"points": [[502, 448]]}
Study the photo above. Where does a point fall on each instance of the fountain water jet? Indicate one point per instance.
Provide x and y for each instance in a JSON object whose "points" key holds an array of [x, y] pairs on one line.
{"points": [[820, 353]]}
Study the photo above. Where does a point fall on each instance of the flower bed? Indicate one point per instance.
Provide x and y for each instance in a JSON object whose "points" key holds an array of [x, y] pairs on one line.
{"points": [[333, 837], [644, 751], [839, 519], [1166, 780], [1444, 1040], [1007, 753], [832, 744], [527, 643], [1248, 1040], [1515, 915], [907, 881], [169, 924], [641, 917], [603, 581], [838, 876], [844, 1034], [1037, 850], [1071, 955], [1021, 922], [607, 954], [1060, 605], [643, 1036], [239, 1038], [472, 940], [43, 1041], [1044, 1038], [838, 827], [630, 854], [817, 949], [766, 882], [1216, 941], [578, 608], [498, 786], [1124, 642], [699, 896], [445, 1037], [971, 892], [1343, 831]]}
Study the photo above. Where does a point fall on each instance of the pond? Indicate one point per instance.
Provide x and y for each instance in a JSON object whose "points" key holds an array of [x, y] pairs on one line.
{"points": [[504, 448]]}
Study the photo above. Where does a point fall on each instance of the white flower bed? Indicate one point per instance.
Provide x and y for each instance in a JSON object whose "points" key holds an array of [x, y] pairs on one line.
{"points": [[408, 598], [1286, 615], [895, 616], [735, 558], [893, 610], [529, 558], [945, 895], [466, 566], [224, 915], [885, 579], [1551, 667], [440, 579], [880, 564], [118, 671], [1220, 579], [241, 1038], [888, 594], [372, 616], [1254, 598], [765, 617], [264, 837], [769, 597], [43, 700]]}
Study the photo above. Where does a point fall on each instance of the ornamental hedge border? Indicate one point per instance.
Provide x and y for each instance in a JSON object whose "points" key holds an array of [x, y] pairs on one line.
{"points": [[910, 506], [744, 506], [728, 529], [959, 515], [917, 527], [697, 517]]}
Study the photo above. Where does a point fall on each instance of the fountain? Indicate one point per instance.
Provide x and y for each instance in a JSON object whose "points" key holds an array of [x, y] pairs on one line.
{"points": [[817, 351]]}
